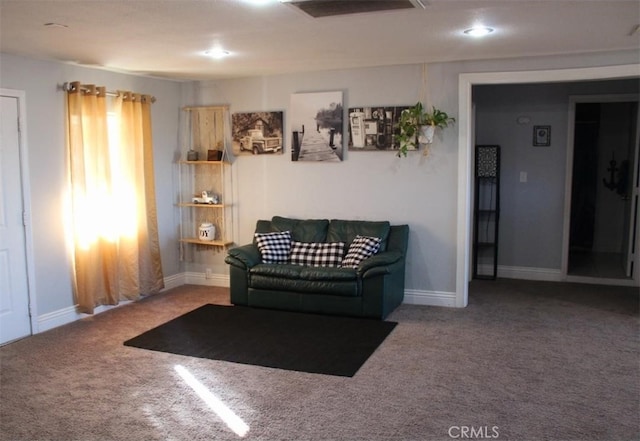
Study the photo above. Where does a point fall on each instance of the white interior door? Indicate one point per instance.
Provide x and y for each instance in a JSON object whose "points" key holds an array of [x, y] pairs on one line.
{"points": [[15, 321]]}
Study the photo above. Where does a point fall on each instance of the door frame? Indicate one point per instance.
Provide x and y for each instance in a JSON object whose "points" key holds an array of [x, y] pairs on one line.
{"points": [[466, 81], [20, 95], [566, 229]]}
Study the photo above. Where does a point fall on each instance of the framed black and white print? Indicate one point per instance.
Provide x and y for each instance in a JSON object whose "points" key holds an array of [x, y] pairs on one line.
{"points": [[255, 133], [541, 136], [316, 126], [374, 128]]}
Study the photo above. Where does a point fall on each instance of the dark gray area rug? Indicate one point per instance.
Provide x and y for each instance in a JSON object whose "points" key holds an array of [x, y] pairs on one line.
{"points": [[295, 341]]}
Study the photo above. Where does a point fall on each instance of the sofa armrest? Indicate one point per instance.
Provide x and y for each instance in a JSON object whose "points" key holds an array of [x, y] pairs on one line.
{"points": [[245, 256], [379, 263]]}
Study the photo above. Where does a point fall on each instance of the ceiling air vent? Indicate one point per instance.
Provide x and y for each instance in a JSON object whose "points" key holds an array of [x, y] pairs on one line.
{"points": [[329, 8]]}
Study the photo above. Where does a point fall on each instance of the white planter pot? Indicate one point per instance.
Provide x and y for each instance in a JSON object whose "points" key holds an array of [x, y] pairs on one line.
{"points": [[426, 134]]}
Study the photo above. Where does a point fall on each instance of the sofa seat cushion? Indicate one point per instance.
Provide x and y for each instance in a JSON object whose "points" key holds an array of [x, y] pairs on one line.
{"points": [[328, 274], [313, 280], [281, 270], [291, 271]]}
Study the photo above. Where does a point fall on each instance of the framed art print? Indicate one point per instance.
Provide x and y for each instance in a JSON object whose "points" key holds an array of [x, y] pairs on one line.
{"points": [[541, 136], [374, 128], [316, 126], [256, 133]]}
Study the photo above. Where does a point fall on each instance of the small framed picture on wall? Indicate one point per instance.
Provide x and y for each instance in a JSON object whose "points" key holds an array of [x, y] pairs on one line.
{"points": [[541, 136]]}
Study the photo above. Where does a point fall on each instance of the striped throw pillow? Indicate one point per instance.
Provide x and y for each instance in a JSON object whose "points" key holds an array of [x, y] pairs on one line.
{"points": [[361, 248]]}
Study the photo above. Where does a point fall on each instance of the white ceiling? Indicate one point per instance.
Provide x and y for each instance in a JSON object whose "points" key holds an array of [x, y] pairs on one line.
{"points": [[167, 38]]}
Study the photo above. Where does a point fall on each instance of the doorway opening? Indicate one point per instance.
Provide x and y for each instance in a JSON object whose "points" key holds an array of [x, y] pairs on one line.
{"points": [[603, 212], [466, 81]]}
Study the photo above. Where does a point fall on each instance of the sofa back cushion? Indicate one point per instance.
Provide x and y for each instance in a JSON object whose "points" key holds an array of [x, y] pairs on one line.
{"points": [[302, 230], [347, 230]]}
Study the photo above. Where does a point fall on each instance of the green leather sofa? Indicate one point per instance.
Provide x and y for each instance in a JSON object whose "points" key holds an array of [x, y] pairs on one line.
{"points": [[373, 289]]}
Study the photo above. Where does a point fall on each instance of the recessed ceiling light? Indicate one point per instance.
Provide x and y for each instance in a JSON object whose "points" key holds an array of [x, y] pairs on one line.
{"points": [[217, 53], [478, 31]]}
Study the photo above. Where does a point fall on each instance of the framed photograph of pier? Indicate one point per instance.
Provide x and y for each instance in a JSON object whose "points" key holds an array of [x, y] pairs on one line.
{"points": [[374, 128], [257, 133], [316, 121]]}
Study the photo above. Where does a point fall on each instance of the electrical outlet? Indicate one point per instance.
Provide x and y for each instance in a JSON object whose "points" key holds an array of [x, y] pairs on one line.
{"points": [[208, 274], [523, 176]]}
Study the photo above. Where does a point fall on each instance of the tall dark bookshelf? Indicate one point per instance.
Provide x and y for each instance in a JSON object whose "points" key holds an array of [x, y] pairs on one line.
{"points": [[486, 212]]}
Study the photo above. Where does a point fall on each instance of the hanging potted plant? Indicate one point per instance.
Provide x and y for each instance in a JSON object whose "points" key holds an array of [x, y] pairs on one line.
{"points": [[417, 126]]}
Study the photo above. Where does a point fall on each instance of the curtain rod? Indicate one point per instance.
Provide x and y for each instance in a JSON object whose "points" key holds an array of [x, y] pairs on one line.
{"points": [[68, 88], [220, 106]]}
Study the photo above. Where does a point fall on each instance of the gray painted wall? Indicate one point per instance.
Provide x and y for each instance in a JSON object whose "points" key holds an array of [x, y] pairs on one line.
{"points": [[48, 164], [418, 190]]}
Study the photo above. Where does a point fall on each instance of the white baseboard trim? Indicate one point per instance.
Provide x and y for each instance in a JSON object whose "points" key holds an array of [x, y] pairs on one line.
{"points": [[173, 281], [57, 318], [70, 314], [555, 275], [192, 278], [67, 315], [601, 281], [429, 298], [525, 273]]}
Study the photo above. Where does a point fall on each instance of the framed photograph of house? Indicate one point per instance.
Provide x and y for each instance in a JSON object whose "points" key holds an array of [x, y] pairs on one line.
{"points": [[541, 136], [316, 126], [374, 128], [257, 133]]}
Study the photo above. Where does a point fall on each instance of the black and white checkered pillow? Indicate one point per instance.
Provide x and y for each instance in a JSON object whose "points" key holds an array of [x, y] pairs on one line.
{"points": [[317, 254], [274, 247], [361, 248]]}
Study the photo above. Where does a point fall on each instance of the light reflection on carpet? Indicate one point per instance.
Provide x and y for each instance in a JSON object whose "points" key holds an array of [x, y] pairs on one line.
{"points": [[228, 416]]}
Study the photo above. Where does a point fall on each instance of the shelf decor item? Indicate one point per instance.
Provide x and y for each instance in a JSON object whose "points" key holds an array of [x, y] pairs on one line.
{"points": [[192, 155], [214, 155], [206, 232]]}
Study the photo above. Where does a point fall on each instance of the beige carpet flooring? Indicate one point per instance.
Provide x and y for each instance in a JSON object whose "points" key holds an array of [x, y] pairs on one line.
{"points": [[524, 361]]}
